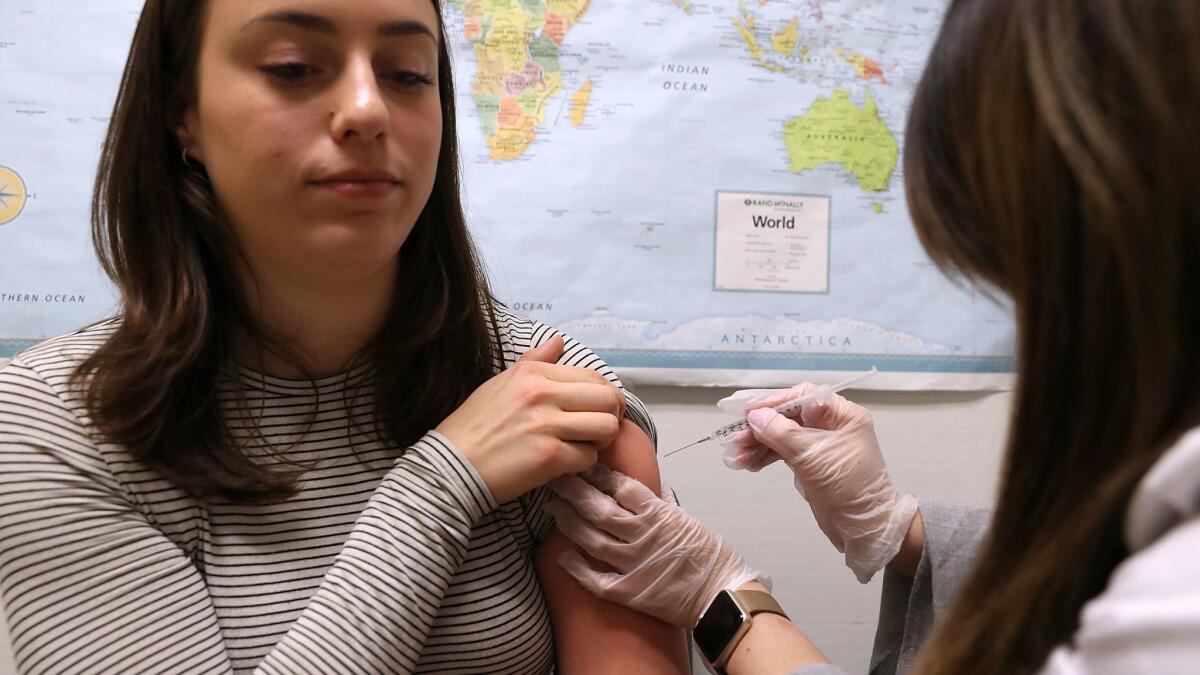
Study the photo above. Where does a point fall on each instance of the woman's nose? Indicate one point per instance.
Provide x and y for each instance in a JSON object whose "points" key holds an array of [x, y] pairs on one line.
{"points": [[359, 111]]}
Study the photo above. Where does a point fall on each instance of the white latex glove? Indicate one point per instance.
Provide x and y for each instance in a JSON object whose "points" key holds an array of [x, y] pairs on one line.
{"points": [[662, 561], [742, 450], [838, 469]]}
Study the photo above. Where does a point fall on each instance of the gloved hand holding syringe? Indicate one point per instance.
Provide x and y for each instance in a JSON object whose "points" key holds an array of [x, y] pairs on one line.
{"points": [[830, 446], [787, 408]]}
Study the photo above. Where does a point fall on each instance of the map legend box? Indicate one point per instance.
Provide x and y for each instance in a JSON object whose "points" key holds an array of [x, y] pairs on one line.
{"points": [[772, 242]]}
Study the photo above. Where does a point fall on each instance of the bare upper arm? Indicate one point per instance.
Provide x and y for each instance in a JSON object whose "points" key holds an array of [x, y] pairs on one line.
{"points": [[594, 635]]}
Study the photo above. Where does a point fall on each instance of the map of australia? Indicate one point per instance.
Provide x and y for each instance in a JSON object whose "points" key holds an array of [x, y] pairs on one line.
{"points": [[836, 131]]}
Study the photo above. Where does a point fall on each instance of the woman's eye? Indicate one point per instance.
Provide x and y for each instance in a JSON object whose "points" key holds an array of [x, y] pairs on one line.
{"points": [[289, 72], [409, 78]]}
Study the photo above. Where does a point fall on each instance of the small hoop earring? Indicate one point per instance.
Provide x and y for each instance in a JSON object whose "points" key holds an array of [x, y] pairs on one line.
{"points": [[187, 160]]}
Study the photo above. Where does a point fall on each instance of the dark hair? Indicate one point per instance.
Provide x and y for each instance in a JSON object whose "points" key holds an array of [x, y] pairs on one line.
{"points": [[1053, 151], [164, 242]]}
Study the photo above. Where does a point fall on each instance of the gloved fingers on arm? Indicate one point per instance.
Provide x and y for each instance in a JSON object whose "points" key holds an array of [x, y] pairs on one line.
{"points": [[600, 583], [586, 499], [587, 505], [628, 492], [592, 540]]}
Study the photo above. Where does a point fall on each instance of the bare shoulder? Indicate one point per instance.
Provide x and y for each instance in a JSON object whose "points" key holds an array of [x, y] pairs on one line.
{"points": [[632, 453]]}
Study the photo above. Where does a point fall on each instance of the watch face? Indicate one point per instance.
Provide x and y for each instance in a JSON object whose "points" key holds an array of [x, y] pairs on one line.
{"points": [[718, 626]]}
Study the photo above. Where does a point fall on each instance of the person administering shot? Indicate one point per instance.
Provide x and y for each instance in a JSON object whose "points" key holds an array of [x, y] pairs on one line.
{"points": [[1051, 156], [651, 555], [654, 557]]}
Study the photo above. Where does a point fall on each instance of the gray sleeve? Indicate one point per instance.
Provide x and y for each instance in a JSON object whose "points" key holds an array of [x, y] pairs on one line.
{"points": [[909, 607]]}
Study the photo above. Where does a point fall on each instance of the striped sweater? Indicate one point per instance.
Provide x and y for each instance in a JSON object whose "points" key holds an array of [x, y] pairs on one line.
{"points": [[385, 560]]}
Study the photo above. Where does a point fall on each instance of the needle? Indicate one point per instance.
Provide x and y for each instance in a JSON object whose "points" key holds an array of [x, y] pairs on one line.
{"points": [[785, 408], [706, 438]]}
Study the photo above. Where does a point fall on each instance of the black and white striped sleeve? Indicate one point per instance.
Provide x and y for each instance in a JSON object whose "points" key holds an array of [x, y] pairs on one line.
{"points": [[378, 602], [577, 354], [91, 585]]}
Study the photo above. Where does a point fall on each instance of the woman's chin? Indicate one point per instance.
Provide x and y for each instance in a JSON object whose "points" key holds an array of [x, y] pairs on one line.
{"points": [[346, 256], [356, 243]]}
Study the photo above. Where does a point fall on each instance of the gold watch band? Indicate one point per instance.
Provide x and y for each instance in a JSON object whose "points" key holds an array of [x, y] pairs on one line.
{"points": [[759, 602], [751, 603]]}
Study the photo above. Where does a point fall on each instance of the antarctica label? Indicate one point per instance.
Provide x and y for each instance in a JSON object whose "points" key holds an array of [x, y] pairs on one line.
{"points": [[769, 242]]}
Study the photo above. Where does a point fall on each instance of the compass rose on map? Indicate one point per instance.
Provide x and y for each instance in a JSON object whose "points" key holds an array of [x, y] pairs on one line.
{"points": [[12, 195]]}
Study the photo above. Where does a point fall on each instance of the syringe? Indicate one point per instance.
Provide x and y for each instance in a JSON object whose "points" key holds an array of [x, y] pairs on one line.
{"points": [[787, 408]]}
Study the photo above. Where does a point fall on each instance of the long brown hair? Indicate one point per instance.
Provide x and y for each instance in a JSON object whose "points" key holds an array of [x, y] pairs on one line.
{"points": [[164, 242], [1053, 152]]}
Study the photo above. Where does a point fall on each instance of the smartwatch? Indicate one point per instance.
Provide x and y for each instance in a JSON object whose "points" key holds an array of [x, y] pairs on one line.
{"points": [[726, 621]]}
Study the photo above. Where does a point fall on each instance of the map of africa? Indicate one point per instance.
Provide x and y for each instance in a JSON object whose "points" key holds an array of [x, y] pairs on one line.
{"points": [[706, 192]]}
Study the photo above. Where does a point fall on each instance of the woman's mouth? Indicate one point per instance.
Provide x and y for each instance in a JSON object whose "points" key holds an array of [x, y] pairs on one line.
{"points": [[359, 183]]}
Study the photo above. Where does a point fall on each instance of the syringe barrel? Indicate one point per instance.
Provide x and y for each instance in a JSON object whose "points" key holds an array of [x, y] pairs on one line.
{"points": [[731, 429]]}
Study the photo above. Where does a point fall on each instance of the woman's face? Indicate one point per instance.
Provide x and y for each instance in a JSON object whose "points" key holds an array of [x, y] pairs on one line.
{"points": [[319, 124]]}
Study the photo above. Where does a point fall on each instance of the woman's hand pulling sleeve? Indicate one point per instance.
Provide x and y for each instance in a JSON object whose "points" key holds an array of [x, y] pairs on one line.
{"points": [[536, 421], [838, 467], [663, 562]]}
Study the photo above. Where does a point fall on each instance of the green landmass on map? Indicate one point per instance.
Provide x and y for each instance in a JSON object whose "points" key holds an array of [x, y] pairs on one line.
{"points": [[835, 131], [516, 44]]}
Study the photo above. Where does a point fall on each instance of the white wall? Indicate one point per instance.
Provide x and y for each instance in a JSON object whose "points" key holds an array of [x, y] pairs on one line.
{"points": [[939, 445]]}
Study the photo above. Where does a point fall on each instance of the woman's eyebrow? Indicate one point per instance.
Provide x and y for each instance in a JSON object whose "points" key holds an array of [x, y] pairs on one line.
{"points": [[405, 28], [320, 24], [303, 20]]}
